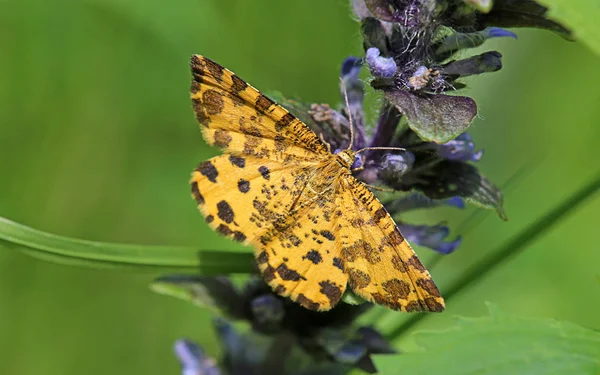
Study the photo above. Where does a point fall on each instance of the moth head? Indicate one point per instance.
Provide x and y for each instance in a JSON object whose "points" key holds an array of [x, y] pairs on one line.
{"points": [[346, 158]]}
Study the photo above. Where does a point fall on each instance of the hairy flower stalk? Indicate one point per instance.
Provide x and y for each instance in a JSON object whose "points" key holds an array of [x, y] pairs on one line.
{"points": [[411, 49]]}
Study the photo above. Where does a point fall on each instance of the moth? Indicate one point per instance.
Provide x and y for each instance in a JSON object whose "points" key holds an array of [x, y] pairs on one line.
{"points": [[277, 187]]}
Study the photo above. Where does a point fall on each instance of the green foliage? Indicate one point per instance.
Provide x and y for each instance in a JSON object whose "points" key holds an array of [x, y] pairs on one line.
{"points": [[511, 248], [437, 118], [499, 345], [481, 5], [352, 299], [218, 294], [581, 16], [464, 180], [72, 251]]}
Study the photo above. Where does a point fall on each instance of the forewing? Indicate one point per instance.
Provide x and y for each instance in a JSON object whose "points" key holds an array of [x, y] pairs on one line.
{"points": [[242, 197], [381, 265], [239, 119]]}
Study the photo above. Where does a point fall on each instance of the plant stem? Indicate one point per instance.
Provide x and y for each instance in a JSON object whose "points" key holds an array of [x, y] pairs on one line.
{"points": [[507, 251], [386, 126], [478, 217]]}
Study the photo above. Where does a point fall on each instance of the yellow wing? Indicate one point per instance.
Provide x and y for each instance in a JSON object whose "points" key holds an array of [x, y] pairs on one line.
{"points": [[381, 265], [287, 213], [242, 197], [239, 119]]}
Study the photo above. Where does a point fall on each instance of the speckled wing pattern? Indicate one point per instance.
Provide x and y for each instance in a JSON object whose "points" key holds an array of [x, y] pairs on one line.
{"points": [[313, 226], [380, 264]]}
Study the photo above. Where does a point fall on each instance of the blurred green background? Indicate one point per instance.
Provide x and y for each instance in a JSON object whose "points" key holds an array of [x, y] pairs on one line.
{"points": [[97, 141]]}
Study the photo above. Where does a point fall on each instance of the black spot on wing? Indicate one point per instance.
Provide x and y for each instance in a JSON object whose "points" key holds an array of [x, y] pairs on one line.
{"points": [[284, 122], [238, 84], [208, 170], [243, 185], [314, 256], [262, 258], [307, 302], [215, 69], [196, 193], [332, 291], [225, 212], [237, 161], [288, 274], [327, 234], [239, 236], [264, 171], [224, 230], [338, 263], [263, 103]]}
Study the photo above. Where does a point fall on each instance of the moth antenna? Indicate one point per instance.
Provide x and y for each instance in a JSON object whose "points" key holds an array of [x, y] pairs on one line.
{"points": [[349, 113], [381, 148]]}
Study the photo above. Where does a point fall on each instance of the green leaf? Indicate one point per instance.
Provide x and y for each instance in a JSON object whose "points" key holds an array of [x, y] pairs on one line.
{"points": [[352, 299], [521, 13], [71, 251], [581, 16], [500, 344], [456, 178], [450, 178], [384, 10], [456, 41], [435, 118], [374, 35], [485, 63], [481, 5], [214, 293]]}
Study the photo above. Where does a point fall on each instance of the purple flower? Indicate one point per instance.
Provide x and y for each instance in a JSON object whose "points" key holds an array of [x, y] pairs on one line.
{"points": [[432, 237], [417, 200], [411, 46], [461, 148], [351, 68], [497, 32], [267, 312], [284, 336], [457, 202], [396, 164], [383, 67], [193, 360]]}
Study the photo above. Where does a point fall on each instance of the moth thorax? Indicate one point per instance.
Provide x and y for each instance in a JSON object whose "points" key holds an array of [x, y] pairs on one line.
{"points": [[346, 158]]}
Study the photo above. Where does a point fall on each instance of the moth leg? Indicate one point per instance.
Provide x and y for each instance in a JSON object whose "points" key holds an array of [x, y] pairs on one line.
{"points": [[380, 188], [324, 141]]}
